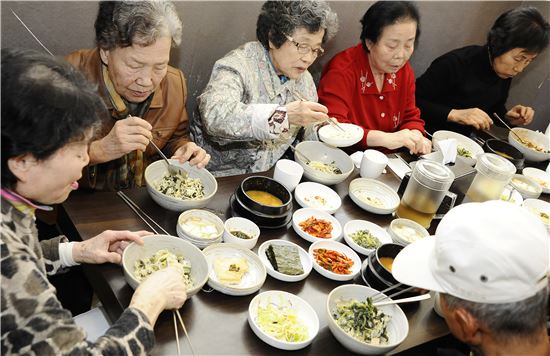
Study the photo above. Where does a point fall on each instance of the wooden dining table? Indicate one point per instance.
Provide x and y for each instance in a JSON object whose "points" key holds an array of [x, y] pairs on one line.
{"points": [[217, 323]]}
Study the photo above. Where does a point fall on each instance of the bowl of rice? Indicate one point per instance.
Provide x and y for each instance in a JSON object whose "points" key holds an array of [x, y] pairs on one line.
{"points": [[191, 188]]}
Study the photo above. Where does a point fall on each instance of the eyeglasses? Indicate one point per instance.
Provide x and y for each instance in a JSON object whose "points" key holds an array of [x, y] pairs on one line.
{"points": [[304, 48]]}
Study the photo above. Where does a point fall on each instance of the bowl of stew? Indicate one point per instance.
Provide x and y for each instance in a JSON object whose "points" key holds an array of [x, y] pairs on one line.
{"points": [[265, 196]]}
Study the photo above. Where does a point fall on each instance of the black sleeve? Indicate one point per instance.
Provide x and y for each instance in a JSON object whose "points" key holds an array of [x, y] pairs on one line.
{"points": [[434, 87]]}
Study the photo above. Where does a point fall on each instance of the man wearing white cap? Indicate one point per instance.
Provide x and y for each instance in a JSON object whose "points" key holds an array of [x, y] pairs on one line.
{"points": [[490, 262]]}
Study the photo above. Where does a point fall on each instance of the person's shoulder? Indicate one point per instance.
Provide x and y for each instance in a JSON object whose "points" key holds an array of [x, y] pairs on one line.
{"points": [[80, 58], [248, 52], [347, 59], [463, 54]]}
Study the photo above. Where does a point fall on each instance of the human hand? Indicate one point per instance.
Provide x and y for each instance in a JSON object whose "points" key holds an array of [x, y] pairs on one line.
{"points": [[164, 289], [304, 113], [106, 247], [520, 115], [127, 135], [190, 149], [472, 117], [422, 144]]}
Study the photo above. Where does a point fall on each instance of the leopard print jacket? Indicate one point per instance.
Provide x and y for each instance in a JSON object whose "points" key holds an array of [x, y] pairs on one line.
{"points": [[33, 321]]}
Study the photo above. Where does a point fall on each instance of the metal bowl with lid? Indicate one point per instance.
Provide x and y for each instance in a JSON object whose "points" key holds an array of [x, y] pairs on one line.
{"points": [[270, 186]]}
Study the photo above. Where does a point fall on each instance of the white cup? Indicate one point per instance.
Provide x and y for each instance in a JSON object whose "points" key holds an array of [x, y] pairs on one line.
{"points": [[373, 164], [288, 173]]}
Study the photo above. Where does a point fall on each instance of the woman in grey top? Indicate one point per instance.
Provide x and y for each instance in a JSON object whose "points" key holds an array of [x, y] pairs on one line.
{"points": [[260, 95]]}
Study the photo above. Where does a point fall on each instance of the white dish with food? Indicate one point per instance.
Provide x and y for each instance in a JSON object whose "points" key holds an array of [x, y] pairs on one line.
{"points": [[192, 189], [348, 135], [307, 219], [406, 231], [364, 236], [349, 260], [535, 146], [396, 328], [304, 258], [540, 209], [241, 231], [183, 251], [373, 196], [466, 147], [328, 165], [234, 270], [540, 176], [317, 196], [200, 227], [283, 320], [528, 187]]}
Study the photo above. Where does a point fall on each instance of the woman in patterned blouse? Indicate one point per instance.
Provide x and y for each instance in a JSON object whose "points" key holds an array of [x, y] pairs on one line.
{"points": [[49, 115], [261, 94]]}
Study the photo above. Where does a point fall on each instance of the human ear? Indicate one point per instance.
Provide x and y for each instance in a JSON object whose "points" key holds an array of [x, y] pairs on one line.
{"points": [[20, 166], [369, 44], [104, 54], [469, 327]]}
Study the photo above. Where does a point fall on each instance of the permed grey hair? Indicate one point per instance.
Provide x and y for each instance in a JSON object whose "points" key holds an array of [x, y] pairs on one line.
{"points": [[280, 18], [523, 319], [124, 23]]}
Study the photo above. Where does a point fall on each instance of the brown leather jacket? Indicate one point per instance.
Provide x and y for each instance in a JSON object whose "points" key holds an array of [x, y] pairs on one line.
{"points": [[167, 113]]}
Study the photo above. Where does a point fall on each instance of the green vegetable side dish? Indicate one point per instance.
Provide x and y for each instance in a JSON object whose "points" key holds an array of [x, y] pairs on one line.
{"points": [[160, 260], [362, 321], [240, 234], [280, 321], [180, 186], [365, 239], [461, 151]]}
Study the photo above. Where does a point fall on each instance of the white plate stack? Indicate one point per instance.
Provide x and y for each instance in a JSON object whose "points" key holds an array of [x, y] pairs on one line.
{"points": [[200, 242]]}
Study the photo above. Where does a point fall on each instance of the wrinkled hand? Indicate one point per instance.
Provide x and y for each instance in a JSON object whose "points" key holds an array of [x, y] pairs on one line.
{"points": [[471, 117], [199, 156], [413, 140], [304, 113], [127, 135], [520, 115], [106, 247]]}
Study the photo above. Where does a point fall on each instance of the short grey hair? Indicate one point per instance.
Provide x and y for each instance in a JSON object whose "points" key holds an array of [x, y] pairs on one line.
{"points": [[124, 23], [279, 18], [523, 319]]}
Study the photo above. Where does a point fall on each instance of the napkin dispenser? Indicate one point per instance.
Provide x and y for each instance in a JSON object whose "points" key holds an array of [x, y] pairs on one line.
{"points": [[464, 175]]}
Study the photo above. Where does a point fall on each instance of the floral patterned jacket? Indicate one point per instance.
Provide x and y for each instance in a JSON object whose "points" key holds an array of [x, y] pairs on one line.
{"points": [[33, 320], [235, 122]]}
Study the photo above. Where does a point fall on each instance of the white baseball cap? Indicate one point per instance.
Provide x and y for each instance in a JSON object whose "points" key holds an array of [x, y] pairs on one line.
{"points": [[491, 252]]}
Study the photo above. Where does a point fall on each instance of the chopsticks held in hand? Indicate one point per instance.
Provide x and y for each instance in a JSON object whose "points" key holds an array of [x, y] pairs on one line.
{"points": [[330, 120], [509, 128], [177, 313]]}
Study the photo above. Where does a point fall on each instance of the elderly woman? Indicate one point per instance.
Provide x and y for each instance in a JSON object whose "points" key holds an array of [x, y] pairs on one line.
{"points": [[462, 89], [48, 118], [146, 96], [261, 94], [372, 84]]}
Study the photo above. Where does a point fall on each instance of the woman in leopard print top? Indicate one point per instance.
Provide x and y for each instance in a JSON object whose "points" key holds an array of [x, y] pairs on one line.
{"points": [[49, 114]]}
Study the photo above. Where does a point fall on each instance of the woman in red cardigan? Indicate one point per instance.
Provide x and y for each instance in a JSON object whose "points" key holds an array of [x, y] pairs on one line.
{"points": [[372, 84]]}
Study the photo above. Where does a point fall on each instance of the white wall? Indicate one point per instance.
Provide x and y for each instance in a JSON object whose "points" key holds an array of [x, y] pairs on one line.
{"points": [[213, 28]]}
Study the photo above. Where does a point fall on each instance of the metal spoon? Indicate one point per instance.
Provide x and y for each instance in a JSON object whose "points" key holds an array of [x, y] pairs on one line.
{"points": [[172, 168], [295, 150]]}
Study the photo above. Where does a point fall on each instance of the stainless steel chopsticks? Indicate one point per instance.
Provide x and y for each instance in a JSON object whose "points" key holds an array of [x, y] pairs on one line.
{"points": [[185, 331], [146, 218], [330, 120]]}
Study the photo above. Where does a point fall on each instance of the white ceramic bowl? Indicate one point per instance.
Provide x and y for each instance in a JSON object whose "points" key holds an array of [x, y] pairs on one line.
{"points": [[319, 151], [197, 240], [305, 260], [362, 188], [538, 207], [250, 282], [303, 214], [343, 249], [515, 197], [528, 187], [406, 231], [317, 196], [535, 137], [353, 226], [153, 243], [398, 327], [243, 225], [156, 170], [461, 140], [301, 308], [540, 176], [336, 137]]}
